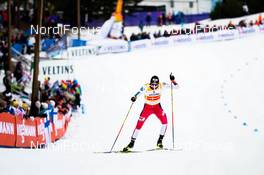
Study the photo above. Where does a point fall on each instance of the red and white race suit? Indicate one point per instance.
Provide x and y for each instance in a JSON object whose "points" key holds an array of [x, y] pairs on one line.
{"points": [[152, 106]]}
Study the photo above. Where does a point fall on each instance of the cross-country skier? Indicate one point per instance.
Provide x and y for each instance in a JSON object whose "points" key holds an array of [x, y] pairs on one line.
{"points": [[152, 93]]}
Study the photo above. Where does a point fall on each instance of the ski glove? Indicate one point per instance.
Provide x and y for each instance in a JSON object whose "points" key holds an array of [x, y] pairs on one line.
{"points": [[133, 99], [172, 78]]}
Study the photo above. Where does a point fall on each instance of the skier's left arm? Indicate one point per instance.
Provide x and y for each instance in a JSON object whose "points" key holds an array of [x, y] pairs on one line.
{"points": [[134, 98]]}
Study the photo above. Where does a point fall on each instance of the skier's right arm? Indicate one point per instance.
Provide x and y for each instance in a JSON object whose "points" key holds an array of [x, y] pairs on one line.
{"points": [[134, 98]]}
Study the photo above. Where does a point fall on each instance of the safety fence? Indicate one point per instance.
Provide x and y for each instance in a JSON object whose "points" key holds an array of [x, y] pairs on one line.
{"points": [[35, 132]]}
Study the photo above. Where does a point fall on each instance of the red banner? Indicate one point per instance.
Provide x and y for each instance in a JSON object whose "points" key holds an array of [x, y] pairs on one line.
{"points": [[41, 139], [59, 126], [7, 130], [26, 133], [19, 132], [52, 133]]}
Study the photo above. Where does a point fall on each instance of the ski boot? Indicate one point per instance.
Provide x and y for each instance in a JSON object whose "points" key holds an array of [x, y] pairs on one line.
{"points": [[159, 143], [129, 146]]}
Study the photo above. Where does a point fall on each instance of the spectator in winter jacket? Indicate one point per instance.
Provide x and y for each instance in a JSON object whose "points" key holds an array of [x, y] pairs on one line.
{"points": [[4, 101], [166, 34], [13, 109], [260, 19], [18, 73], [148, 19], [4, 50], [25, 108], [141, 25], [43, 110], [1, 21], [170, 18], [10, 109], [7, 102], [242, 23], [133, 37], [7, 80], [36, 111], [160, 20], [232, 26]]}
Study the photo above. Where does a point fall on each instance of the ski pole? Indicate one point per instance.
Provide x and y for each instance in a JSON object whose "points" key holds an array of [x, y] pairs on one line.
{"points": [[121, 127], [172, 115]]}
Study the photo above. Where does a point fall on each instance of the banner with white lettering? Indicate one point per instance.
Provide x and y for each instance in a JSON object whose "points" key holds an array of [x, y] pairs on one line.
{"points": [[30, 133], [41, 138], [26, 132], [59, 126], [7, 130]]}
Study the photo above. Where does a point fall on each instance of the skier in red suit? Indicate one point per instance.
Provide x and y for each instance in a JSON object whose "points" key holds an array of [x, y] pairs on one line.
{"points": [[152, 93]]}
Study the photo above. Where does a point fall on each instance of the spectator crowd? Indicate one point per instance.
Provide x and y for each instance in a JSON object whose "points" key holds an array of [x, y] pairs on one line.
{"points": [[22, 38], [198, 28], [60, 96]]}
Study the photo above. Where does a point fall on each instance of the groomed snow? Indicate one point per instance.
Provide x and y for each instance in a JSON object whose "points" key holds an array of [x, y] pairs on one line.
{"points": [[219, 117]]}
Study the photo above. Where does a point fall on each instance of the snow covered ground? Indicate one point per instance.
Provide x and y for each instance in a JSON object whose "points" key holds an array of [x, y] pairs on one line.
{"points": [[219, 118]]}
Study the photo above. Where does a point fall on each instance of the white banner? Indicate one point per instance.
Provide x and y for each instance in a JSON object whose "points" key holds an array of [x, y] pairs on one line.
{"points": [[227, 35], [83, 51], [140, 44], [56, 70], [182, 39], [247, 31], [201, 37], [103, 46], [162, 41], [110, 46], [205, 36]]}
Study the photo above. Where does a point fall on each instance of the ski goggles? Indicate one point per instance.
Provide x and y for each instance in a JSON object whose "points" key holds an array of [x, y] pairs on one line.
{"points": [[154, 81], [154, 85]]}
